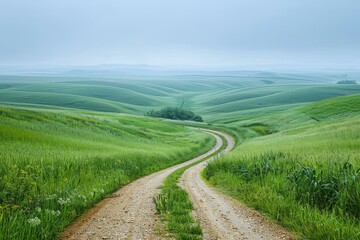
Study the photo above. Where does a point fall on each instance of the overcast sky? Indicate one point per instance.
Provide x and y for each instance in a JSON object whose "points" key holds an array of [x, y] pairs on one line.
{"points": [[180, 32]]}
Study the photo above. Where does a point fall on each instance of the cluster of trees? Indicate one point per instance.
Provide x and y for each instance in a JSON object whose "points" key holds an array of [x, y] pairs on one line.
{"points": [[346, 82], [175, 113]]}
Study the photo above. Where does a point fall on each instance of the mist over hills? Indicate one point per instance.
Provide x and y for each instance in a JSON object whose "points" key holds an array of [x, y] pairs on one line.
{"points": [[135, 89]]}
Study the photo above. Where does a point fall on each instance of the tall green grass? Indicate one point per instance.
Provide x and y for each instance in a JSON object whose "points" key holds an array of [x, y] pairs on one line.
{"points": [[174, 205], [305, 177], [55, 166]]}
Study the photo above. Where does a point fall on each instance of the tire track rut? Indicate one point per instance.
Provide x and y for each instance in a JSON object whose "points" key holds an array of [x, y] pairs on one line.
{"points": [[220, 216], [130, 213]]}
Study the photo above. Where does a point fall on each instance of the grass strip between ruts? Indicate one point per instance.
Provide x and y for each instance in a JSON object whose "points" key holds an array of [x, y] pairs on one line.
{"points": [[175, 207]]}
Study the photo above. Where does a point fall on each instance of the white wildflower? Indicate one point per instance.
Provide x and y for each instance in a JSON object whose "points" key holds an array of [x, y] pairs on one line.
{"points": [[83, 197], [62, 201], [53, 212], [51, 197], [57, 213], [34, 221]]}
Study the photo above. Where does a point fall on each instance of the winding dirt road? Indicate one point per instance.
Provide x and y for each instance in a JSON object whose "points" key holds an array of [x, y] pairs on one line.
{"points": [[130, 212], [220, 216]]}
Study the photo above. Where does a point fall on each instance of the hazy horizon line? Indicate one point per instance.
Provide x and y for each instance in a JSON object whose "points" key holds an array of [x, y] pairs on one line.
{"points": [[192, 67]]}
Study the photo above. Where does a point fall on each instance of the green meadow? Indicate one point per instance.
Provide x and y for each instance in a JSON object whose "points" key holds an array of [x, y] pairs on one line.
{"points": [[69, 140], [301, 167], [54, 165], [217, 97]]}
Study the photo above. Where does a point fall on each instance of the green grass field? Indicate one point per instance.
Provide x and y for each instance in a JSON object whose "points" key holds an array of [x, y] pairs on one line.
{"points": [[218, 98], [54, 166], [68, 140], [303, 172]]}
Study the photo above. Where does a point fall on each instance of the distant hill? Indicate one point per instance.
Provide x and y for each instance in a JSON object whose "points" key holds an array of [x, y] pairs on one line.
{"points": [[217, 96]]}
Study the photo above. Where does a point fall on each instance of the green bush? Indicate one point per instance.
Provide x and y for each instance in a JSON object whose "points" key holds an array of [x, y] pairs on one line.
{"points": [[175, 113]]}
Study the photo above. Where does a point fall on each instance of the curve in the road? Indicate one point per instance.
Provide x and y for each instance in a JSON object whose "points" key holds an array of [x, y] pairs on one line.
{"points": [[220, 216], [130, 213]]}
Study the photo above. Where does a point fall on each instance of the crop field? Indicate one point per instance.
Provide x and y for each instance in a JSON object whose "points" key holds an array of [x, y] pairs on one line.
{"points": [[54, 166], [302, 169]]}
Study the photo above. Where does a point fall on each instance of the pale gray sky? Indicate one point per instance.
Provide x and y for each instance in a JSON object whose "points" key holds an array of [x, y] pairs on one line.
{"points": [[180, 32]]}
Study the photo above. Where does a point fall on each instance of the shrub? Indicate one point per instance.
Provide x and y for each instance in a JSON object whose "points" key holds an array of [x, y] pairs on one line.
{"points": [[175, 113]]}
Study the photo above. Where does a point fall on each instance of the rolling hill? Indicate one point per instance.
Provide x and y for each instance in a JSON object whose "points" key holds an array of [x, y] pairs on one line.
{"points": [[218, 98], [69, 139]]}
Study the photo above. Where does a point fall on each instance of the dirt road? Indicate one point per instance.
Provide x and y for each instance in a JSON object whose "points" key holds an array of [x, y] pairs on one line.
{"points": [[130, 213], [220, 216]]}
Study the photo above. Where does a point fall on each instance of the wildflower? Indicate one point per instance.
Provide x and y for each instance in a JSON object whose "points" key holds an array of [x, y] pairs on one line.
{"points": [[34, 221], [83, 197], [51, 197], [57, 213], [53, 212], [63, 201]]}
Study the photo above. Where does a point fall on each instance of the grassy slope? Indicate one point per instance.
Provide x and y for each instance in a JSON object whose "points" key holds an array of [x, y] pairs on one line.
{"points": [[219, 98], [306, 174], [54, 166], [244, 102], [286, 97]]}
